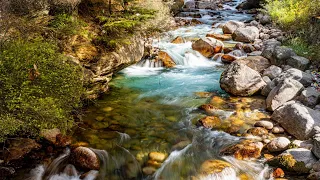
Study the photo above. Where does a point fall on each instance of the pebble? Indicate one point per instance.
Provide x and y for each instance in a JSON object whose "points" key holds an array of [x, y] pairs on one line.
{"points": [[277, 130]]}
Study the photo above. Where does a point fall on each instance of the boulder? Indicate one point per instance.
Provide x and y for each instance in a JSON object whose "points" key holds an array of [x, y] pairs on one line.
{"points": [[178, 40], [307, 144], [297, 160], [227, 58], [278, 144], [281, 54], [210, 122], [316, 142], [208, 47], [265, 124], [269, 48], [85, 158], [245, 150], [221, 37], [50, 134], [166, 59], [232, 26], [240, 80], [257, 63], [298, 62], [272, 71], [283, 92], [18, 148], [309, 97], [265, 19], [296, 74], [246, 34], [157, 156], [268, 88], [297, 119]]}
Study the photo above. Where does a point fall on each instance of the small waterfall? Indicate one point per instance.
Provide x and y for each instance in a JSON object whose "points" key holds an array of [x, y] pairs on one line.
{"points": [[150, 63]]}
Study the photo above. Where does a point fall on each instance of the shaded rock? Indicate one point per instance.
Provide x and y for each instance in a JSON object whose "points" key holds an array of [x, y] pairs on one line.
{"points": [[264, 124], [265, 19], [255, 53], [227, 49], [6, 172], [277, 130], [210, 122], [232, 26], [314, 176], [157, 156], [316, 142], [208, 47], [283, 92], [166, 59], [257, 63], [309, 97], [278, 173], [296, 74], [239, 79], [190, 4], [50, 134], [297, 119], [248, 48], [278, 144], [298, 62], [272, 71], [316, 166], [149, 170], [245, 150], [302, 144], [269, 48], [296, 160], [246, 34], [86, 158], [227, 58], [281, 54], [19, 148], [178, 40], [221, 37], [268, 88]]}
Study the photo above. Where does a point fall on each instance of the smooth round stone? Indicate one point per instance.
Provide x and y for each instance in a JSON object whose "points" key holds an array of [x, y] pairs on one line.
{"points": [[278, 144], [277, 130], [157, 156], [266, 124], [148, 170]]}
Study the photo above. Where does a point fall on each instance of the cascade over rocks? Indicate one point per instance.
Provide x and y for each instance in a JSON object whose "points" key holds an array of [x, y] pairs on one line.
{"points": [[166, 59], [297, 119], [208, 47], [246, 34], [239, 79], [283, 92]]}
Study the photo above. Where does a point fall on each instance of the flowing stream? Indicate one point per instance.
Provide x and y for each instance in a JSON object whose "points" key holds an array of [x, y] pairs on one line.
{"points": [[152, 108]]}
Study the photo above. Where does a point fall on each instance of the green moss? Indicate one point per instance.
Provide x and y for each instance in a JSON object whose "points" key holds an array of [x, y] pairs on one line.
{"points": [[67, 24], [303, 48], [39, 87], [288, 163]]}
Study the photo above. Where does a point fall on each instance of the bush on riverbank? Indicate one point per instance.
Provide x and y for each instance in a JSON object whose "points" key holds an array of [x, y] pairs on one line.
{"points": [[299, 18], [39, 88]]}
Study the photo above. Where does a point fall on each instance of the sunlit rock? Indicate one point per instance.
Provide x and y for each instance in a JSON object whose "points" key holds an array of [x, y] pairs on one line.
{"points": [[208, 47]]}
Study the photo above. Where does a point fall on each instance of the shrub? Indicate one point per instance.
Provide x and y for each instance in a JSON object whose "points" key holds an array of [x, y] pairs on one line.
{"points": [[66, 24], [39, 87]]}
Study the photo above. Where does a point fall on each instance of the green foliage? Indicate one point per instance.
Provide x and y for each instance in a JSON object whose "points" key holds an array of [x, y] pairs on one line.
{"points": [[303, 48], [39, 87], [67, 24]]}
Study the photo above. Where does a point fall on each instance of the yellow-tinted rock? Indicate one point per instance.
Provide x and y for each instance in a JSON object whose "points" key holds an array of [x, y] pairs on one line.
{"points": [[178, 40], [258, 131], [245, 150], [166, 59], [213, 166], [157, 156], [222, 37], [210, 121], [153, 163]]}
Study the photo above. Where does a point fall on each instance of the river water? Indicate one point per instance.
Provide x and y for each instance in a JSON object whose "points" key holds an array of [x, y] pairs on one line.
{"points": [[150, 108]]}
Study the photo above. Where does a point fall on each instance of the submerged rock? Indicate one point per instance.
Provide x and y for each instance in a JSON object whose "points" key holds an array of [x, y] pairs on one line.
{"points": [[283, 92], [239, 79], [297, 119], [208, 47], [216, 169], [210, 122], [157, 156], [86, 158]]}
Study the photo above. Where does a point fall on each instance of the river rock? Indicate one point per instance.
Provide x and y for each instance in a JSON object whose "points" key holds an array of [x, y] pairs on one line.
{"points": [[239, 79], [248, 48], [216, 169], [157, 156], [232, 26], [221, 37], [257, 63], [283, 92], [50, 134], [307, 144], [277, 130], [258, 131], [314, 176], [272, 71], [297, 160], [237, 53], [297, 119], [281, 54], [316, 142], [316, 166], [18, 148], [309, 97], [264, 124], [269, 48], [255, 53], [86, 158], [149, 170], [278, 173], [268, 88], [246, 34], [278, 144], [178, 40], [208, 47], [227, 58], [190, 4], [210, 122], [298, 62], [265, 19], [245, 150], [166, 59], [296, 74]]}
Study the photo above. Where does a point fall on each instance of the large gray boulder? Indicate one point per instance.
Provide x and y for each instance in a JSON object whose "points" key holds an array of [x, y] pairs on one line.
{"points": [[316, 142], [298, 62], [268, 88], [281, 54], [297, 119], [231, 26], [240, 80], [246, 34], [309, 97], [296, 74], [283, 92], [257, 63], [269, 48], [272, 71]]}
